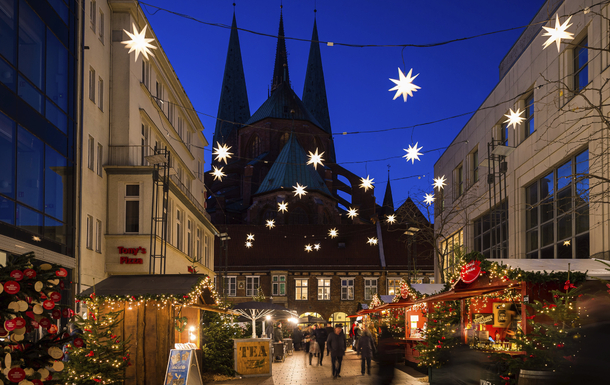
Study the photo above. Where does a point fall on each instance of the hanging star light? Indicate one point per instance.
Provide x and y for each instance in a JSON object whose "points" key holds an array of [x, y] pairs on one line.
{"points": [[248, 244], [333, 233], [404, 86], [439, 182], [217, 173], [282, 207], [139, 42], [566, 243], [391, 219], [366, 183], [222, 152], [270, 223], [558, 32], [250, 237], [352, 212], [308, 248], [429, 198], [299, 190], [315, 159], [514, 117], [372, 241], [316, 247], [412, 153]]}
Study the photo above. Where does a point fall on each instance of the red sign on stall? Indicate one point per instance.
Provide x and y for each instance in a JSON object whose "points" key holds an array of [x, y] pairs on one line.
{"points": [[470, 272]]}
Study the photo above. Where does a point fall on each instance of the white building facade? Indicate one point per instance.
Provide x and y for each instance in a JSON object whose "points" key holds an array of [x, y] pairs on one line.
{"points": [[537, 190], [131, 107]]}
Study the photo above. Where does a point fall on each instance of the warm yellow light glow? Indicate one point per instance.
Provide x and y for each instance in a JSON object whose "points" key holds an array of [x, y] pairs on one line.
{"points": [[391, 219], [315, 159], [333, 233], [139, 42], [514, 117], [270, 223], [299, 190], [308, 248], [222, 152], [429, 198], [557, 33], [316, 246], [282, 207], [248, 244], [439, 182], [217, 173], [250, 237], [352, 212], [372, 241], [366, 183]]}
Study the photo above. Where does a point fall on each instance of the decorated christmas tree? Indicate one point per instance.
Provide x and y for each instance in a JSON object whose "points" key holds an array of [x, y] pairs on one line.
{"points": [[30, 292], [98, 355], [440, 335]]}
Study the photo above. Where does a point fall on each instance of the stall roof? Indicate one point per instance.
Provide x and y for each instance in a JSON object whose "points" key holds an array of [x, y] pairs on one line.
{"points": [[386, 298], [428, 288], [172, 284], [592, 266]]}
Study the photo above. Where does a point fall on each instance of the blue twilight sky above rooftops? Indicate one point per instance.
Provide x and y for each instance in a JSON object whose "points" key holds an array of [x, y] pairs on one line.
{"points": [[454, 78]]}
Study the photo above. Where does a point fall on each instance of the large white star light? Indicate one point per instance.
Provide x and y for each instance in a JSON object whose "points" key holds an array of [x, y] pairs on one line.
{"points": [[250, 237], [366, 183], [217, 173], [333, 233], [222, 152], [270, 223], [391, 219], [412, 153], [439, 182], [248, 244], [282, 207], [139, 42], [558, 32], [308, 248], [404, 86], [352, 212], [299, 190], [514, 117], [315, 159], [429, 198], [372, 241], [316, 247]]}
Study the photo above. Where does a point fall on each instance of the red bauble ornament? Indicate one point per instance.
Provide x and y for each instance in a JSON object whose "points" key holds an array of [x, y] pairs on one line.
{"points": [[12, 287], [61, 272], [55, 296], [48, 304], [17, 275]]}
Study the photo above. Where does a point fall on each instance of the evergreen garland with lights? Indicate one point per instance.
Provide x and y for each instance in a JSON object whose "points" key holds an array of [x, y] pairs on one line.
{"points": [[441, 334], [98, 356]]}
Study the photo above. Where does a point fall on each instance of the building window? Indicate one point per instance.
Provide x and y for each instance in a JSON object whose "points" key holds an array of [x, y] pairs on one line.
{"points": [[278, 285], [504, 134], [189, 238], [98, 236], [230, 286], [323, 289], [370, 288], [92, 14], [206, 250], [581, 65], [254, 147], [394, 286], [180, 126], [171, 112], [91, 154], [252, 285], [347, 289], [448, 249], [530, 126], [300, 289], [491, 232], [200, 170], [89, 243], [459, 180], [132, 208], [100, 154], [284, 139], [198, 246], [557, 212], [475, 166], [92, 80], [159, 94], [101, 26], [178, 230], [146, 73], [100, 94]]}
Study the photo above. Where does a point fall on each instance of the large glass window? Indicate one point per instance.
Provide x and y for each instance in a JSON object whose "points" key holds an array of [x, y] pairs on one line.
{"points": [[323, 289], [491, 232], [7, 156], [30, 166], [230, 286], [31, 44], [347, 289], [55, 191], [278, 285], [448, 249], [581, 65], [459, 180], [394, 286], [57, 72], [300, 289], [7, 29], [530, 125], [557, 212], [370, 288]]}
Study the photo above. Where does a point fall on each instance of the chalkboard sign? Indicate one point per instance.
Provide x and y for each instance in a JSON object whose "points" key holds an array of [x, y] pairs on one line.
{"points": [[182, 368]]}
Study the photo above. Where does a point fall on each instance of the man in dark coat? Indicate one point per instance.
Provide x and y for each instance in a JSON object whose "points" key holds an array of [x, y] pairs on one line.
{"points": [[297, 337], [336, 345], [329, 330], [278, 335], [387, 356], [365, 348], [321, 337]]}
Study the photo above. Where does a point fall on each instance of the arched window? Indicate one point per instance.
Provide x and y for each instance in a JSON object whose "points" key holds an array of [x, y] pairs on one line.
{"points": [[284, 139], [298, 216], [254, 147]]}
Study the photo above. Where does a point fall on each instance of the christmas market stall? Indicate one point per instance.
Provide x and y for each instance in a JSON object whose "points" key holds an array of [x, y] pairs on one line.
{"points": [[160, 313], [496, 307]]}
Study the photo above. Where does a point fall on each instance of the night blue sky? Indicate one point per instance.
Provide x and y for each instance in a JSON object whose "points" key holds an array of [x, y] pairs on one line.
{"points": [[454, 78]]}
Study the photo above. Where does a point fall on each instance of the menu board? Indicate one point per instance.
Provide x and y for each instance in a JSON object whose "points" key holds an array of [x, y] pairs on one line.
{"points": [[182, 368]]}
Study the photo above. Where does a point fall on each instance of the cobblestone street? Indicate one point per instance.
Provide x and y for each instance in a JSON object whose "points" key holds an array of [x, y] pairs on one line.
{"points": [[296, 370]]}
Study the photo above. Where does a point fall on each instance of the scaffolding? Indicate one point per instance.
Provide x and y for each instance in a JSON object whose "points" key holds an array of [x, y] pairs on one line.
{"points": [[160, 197]]}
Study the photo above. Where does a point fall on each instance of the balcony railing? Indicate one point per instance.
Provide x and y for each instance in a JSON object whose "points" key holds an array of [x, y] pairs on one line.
{"points": [[129, 155], [187, 192]]}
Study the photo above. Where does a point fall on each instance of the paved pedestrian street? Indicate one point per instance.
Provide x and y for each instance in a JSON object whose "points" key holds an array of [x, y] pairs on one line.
{"points": [[296, 370]]}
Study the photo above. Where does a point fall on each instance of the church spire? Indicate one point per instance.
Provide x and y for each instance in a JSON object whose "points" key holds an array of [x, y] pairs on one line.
{"points": [[280, 71], [233, 108], [388, 202], [314, 90]]}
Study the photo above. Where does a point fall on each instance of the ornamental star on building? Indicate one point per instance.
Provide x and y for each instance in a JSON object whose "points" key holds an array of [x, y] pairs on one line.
{"points": [[514, 117], [139, 43], [439, 182], [218, 174], [299, 190], [366, 183], [315, 159], [352, 212], [429, 198], [557, 33], [282, 207]]}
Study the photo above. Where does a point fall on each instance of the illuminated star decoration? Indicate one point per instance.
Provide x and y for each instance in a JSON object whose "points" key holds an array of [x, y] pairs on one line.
{"points": [[566, 243], [514, 118], [222, 152], [412, 153], [372, 241], [218, 174], [299, 190], [282, 206], [391, 219], [308, 248], [250, 237], [248, 244], [333, 233], [366, 183], [558, 33], [315, 159], [429, 198], [270, 223], [439, 182], [351, 212], [404, 85], [316, 247], [139, 42]]}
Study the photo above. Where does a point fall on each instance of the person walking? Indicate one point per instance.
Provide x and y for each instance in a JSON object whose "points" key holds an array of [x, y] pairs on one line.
{"points": [[387, 356], [321, 337], [329, 331], [297, 337], [314, 348], [357, 334], [366, 347], [336, 345], [306, 338]]}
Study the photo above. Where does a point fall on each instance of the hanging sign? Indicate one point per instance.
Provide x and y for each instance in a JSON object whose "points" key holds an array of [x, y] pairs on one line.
{"points": [[483, 319], [470, 272], [182, 368]]}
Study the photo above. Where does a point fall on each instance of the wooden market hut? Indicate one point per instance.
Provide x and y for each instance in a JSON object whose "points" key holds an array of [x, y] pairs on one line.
{"points": [[155, 307]]}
